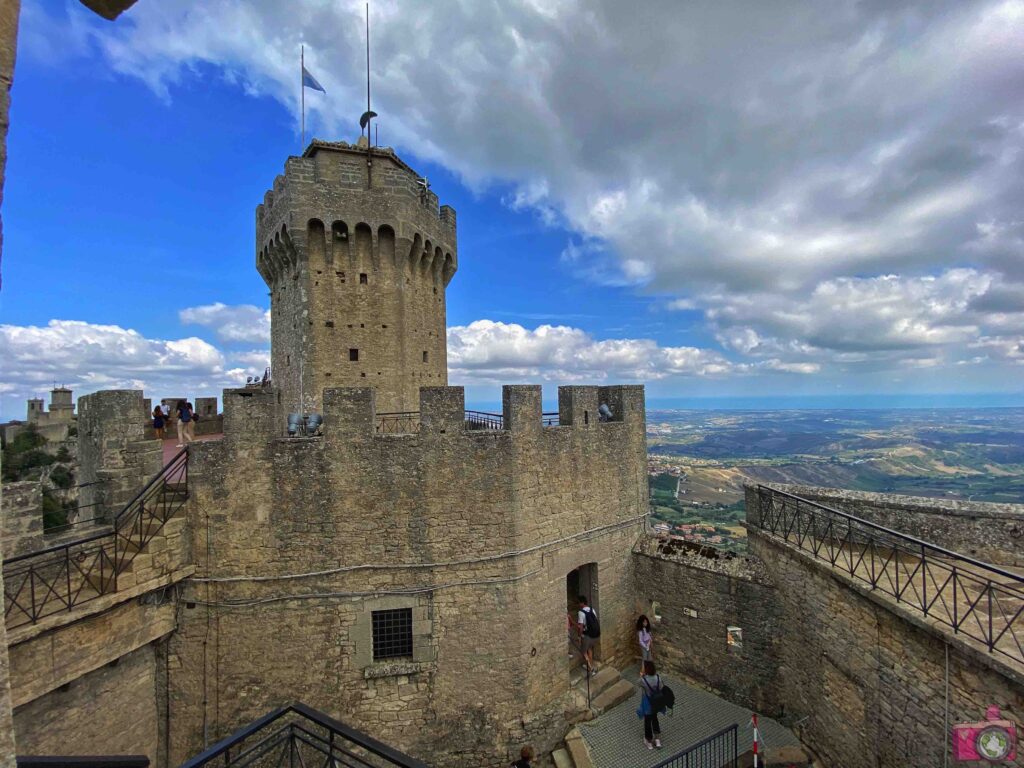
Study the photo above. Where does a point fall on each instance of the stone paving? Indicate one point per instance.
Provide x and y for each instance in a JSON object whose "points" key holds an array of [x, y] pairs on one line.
{"points": [[616, 738]]}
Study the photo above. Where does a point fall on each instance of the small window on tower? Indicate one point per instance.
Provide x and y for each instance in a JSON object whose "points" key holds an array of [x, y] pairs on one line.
{"points": [[353, 355], [426, 356], [363, 280]]}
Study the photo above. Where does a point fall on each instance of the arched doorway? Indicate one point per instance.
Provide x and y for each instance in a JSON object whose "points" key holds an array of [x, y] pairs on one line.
{"points": [[581, 581]]}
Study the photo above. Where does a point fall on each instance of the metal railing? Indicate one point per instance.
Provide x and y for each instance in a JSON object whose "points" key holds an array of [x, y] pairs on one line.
{"points": [[550, 419], [484, 420], [298, 736], [982, 601], [399, 423], [716, 751], [87, 761], [61, 577]]}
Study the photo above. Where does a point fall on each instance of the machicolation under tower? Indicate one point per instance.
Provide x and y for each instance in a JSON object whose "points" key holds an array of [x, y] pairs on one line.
{"points": [[357, 256]]}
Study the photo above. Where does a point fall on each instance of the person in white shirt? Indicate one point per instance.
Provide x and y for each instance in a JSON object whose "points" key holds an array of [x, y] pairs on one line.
{"points": [[644, 637], [589, 633]]}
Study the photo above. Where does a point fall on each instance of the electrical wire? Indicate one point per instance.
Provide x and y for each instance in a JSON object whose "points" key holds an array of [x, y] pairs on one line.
{"points": [[250, 602], [414, 566]]}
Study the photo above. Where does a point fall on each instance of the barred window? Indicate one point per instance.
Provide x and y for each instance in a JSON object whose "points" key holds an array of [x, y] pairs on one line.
{"points": [[392, 634]]}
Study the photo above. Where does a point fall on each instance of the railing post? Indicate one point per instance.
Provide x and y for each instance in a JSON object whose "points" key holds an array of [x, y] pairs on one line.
{"points": [[956, 621], [991, 637], [67, 572], [924, 580]]}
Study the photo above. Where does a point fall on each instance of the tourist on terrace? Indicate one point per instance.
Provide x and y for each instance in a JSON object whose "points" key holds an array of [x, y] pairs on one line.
{"points": [[644, 637], [604, 413], [158, 422], [184, 419], [650, 684], [191, 426], [590, 631]]}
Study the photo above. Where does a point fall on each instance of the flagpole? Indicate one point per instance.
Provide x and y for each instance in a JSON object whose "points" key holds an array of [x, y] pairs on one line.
{"points": [[302, 90]]}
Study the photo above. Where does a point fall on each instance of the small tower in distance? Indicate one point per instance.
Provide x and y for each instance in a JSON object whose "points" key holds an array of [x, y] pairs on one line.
{"points": [[357, 255]]}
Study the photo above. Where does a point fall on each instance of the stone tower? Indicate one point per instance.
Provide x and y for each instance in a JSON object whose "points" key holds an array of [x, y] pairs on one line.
{"points": [[357, 256]]}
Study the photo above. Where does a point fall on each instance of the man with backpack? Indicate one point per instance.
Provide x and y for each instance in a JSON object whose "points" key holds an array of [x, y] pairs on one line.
{"points": [[590, 631]]}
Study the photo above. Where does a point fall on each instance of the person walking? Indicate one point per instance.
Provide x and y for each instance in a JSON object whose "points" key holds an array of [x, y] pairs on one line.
{"points": [[193, 418], [644, 637], [650, 686], [184, 418], [526, 757], [590, 631], [158, 422]]}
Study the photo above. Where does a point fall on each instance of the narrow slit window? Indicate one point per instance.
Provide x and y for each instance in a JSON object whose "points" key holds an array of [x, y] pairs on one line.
{"points": [[353, 355], [426, 357], [363, 279]]}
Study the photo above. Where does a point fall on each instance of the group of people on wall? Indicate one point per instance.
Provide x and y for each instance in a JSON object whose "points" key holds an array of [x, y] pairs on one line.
{"points": [[185, 417]]}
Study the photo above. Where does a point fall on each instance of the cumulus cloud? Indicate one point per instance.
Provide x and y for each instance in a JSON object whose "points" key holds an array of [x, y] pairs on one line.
{"points": [[239, 322], [834, 186], [494, 352], [88, 357]]}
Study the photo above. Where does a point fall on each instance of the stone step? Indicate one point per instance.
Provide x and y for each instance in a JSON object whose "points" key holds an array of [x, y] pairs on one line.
{"points": [[139, 562], [615, 694], [605, 678], [578, 750], [562, 759]]}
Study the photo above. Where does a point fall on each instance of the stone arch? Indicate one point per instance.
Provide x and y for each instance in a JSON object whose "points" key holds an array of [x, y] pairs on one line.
{"points": [[364, 246], [316, 242], [414, 252], [386, 244], [338, 253]]}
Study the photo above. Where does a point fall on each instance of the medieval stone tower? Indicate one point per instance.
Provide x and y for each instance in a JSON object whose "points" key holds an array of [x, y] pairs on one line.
{"points": [[357, 256]]}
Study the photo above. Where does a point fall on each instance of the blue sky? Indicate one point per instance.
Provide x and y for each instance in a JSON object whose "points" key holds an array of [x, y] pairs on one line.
{"points": [[694, 234]]}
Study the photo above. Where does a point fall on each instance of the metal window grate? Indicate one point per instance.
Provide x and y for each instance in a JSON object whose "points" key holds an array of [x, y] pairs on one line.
{"points": [[392, 634]]}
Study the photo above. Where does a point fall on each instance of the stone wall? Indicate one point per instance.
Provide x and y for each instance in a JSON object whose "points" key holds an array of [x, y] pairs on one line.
{"points": [[22, 517], [111, 710], [357, 269], [115, 458], [700, 593], [864, 677], [473, 531], [993, 533]]}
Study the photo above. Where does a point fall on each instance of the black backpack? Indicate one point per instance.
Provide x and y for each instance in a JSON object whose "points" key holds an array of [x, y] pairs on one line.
{"points": [[661, 699], [593, 625]]}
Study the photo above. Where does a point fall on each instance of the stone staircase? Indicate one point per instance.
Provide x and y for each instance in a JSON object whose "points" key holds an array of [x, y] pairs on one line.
{"points": [[607, 689], [162, 553]]}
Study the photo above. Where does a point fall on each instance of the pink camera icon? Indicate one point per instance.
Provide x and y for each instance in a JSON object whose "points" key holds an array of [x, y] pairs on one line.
{"points": [[993, 739]]}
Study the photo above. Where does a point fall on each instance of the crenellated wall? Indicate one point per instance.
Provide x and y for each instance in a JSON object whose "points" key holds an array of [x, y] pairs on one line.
{"points": [[473, 530]]}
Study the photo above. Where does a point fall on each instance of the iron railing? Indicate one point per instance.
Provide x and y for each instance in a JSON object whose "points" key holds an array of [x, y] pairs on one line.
{"points": [[720, 750], [61, 577], [399, 423], [298, 736], [973, 598], [549, 419], [484, 420], [87, 761]]}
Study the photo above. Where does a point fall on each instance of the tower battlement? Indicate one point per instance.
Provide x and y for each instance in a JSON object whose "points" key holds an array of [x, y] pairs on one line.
{"points": [[357, 254]]}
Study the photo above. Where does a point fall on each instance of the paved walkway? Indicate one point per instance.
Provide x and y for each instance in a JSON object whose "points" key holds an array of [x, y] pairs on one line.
{"points": [[616, 738], [171, 448]]}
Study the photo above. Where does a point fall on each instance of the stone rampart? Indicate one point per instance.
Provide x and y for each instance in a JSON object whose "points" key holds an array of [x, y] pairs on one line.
{"points": [[22, 517], [993, 533], [115, 458], [472, 531], [700, 593]]}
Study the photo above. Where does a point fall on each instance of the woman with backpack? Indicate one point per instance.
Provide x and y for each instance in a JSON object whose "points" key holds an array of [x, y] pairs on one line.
{"points": [[650, 704]]}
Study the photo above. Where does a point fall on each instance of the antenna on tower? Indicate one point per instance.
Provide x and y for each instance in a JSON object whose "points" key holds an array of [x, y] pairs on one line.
{"points": [[369, 114]]}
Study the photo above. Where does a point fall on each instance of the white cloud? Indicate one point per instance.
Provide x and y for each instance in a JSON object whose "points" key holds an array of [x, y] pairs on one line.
{"points": [[240, 322], [88, 357], [488, 351]]}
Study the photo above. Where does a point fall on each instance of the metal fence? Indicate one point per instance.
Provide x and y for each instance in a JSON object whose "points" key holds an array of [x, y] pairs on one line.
{"points": [[976, 599], [550, 419], [58, 578], [484, 420], [398, 423], [720, 750], [298, 736]]}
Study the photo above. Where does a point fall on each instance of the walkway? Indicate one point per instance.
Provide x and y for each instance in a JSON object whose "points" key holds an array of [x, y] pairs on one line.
{"points": [[616, 738], [171, 448]]}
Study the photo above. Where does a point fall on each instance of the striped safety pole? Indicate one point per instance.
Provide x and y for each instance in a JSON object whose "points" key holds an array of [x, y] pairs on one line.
{"points": [[753, 721]]}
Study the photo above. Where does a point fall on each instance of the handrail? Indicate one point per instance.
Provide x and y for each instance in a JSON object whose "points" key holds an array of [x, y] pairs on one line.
{"points": [[899, 535], [979, 600], [62, 576], [84, 761], [722, 747], [102, 534], [222, 749]]}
